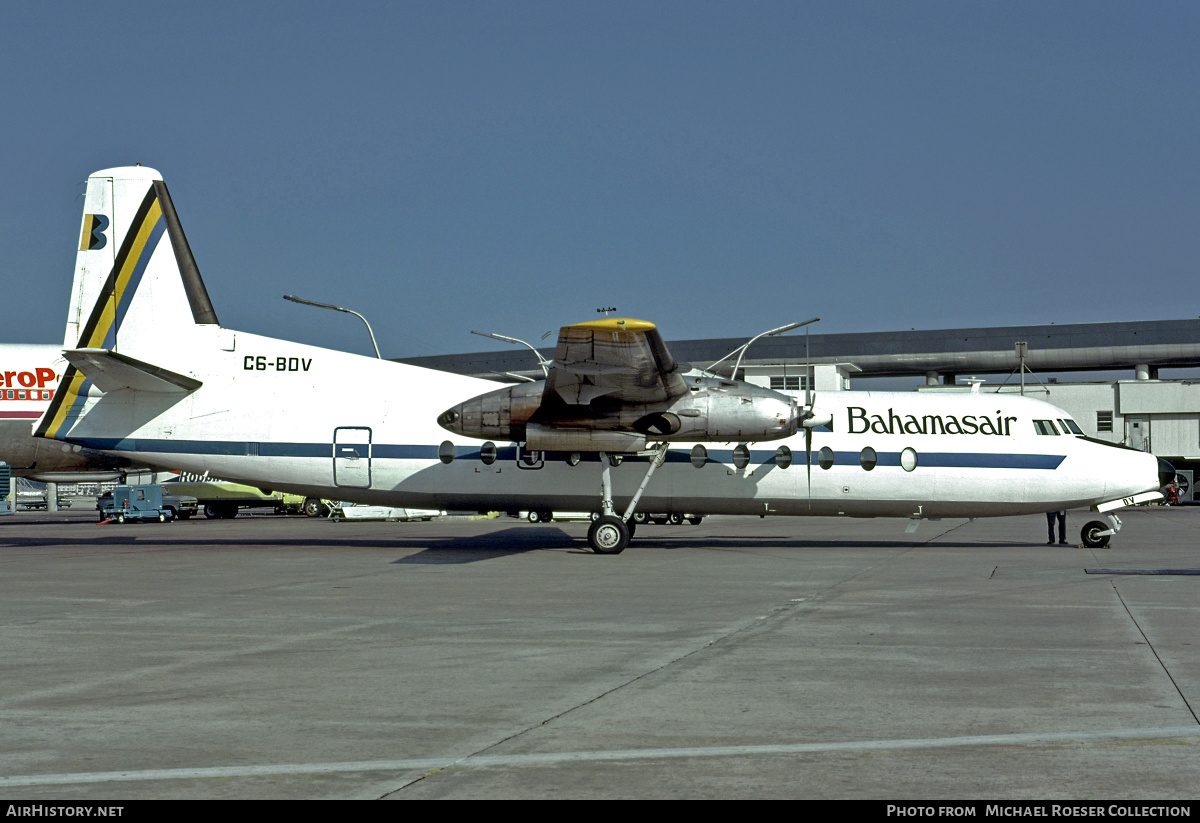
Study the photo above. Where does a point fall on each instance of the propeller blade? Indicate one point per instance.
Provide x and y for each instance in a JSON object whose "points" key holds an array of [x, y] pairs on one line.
{"points": [[808, 461], [811, 397]]}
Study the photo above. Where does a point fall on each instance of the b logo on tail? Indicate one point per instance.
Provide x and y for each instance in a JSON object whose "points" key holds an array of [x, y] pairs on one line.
{"points": [[93, 236]]}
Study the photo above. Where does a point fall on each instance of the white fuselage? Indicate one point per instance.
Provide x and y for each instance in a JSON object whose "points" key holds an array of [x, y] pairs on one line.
{"points": [[322, 423]]}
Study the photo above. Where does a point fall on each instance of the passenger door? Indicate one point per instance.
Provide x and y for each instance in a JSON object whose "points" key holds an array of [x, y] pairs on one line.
{"points": [[352, 457]]}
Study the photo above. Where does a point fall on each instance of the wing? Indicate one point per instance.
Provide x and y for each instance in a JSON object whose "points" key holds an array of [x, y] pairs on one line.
{"points": [[621, 359]]}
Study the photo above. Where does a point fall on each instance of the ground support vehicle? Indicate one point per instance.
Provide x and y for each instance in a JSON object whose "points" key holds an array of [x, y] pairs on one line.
{"points": [[318, 507], [663, 519], [353, 511], [6, 489], [659, 518], [181, 507], [223, 500], [137, 503]]}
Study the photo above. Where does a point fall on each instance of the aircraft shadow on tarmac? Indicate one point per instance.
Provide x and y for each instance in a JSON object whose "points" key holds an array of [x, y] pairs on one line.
{"points": [[450, 550]]}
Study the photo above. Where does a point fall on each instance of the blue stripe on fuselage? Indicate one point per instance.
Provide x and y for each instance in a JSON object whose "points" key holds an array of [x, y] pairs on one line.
{"points": [[399, 451]]}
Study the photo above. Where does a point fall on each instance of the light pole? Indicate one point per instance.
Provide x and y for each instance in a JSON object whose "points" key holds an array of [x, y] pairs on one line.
{"points": [[740, 351], [543, 362], [296, 299]]}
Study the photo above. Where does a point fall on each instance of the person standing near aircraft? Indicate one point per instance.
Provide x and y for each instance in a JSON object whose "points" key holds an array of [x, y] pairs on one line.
{"points": [[1172, 495], [1061, 517]]}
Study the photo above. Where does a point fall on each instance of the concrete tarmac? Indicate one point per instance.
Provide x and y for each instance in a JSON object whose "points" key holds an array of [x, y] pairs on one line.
{"points": [[273, 657]]}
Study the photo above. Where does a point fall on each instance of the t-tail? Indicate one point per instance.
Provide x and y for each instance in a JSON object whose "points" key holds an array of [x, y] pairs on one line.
{"points": [[135, 276]]}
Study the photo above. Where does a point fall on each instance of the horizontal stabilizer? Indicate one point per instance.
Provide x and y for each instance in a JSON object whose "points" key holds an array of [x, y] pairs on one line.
{"points": [[109, 371]]}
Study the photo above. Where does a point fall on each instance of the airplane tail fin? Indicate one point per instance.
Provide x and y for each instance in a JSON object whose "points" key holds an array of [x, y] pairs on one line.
{"points": [[135, 279], [132, 250]]}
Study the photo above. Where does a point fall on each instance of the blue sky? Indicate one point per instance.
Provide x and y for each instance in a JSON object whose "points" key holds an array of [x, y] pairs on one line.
{"points": [[716, 168]]}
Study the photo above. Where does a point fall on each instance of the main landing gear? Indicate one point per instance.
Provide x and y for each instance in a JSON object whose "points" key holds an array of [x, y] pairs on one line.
{"points": [[610, 534]]}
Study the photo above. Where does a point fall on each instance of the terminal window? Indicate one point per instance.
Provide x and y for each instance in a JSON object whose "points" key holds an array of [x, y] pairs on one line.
{"points": [[1104, 421], [787, 383]]}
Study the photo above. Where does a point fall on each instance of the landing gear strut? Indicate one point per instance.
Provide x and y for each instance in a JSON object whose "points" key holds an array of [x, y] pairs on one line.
{"points": [[610, 534]]}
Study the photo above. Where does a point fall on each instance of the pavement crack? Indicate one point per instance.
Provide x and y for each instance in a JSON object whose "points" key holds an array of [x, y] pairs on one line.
{"points": [[1154, 651]]}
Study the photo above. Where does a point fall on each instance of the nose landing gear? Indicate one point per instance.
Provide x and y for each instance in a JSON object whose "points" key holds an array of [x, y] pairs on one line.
{"points": [[1096, 534]]}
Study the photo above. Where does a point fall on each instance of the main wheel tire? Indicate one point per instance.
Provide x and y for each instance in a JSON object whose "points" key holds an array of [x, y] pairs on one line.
{"points": [[1091, 535], [221, 510], [608, 535]]}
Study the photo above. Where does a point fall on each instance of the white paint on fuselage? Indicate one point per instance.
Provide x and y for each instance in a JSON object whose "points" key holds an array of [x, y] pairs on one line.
{"points": [[267, 412]]}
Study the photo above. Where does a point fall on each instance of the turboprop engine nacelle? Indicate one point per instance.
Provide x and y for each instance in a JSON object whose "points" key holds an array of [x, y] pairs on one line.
{"points": [[712, 410]]}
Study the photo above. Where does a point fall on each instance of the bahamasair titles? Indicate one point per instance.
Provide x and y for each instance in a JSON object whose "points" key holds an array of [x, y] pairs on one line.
{"points": [[618, 426]]}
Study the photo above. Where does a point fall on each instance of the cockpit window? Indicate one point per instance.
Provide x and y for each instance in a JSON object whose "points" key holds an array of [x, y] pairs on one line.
{"points": [[1044, 427], [1068, 425]]}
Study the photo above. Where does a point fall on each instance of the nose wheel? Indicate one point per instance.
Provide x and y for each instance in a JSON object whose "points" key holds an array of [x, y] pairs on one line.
{"points": [[1096, 534]]}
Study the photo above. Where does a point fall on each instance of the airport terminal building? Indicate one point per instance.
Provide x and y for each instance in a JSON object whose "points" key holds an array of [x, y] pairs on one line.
{"points": [[1140, 411]]}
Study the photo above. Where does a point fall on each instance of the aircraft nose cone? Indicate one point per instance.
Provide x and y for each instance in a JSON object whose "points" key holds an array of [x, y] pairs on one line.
{"points": [[1166, 472], [449, 420]]}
